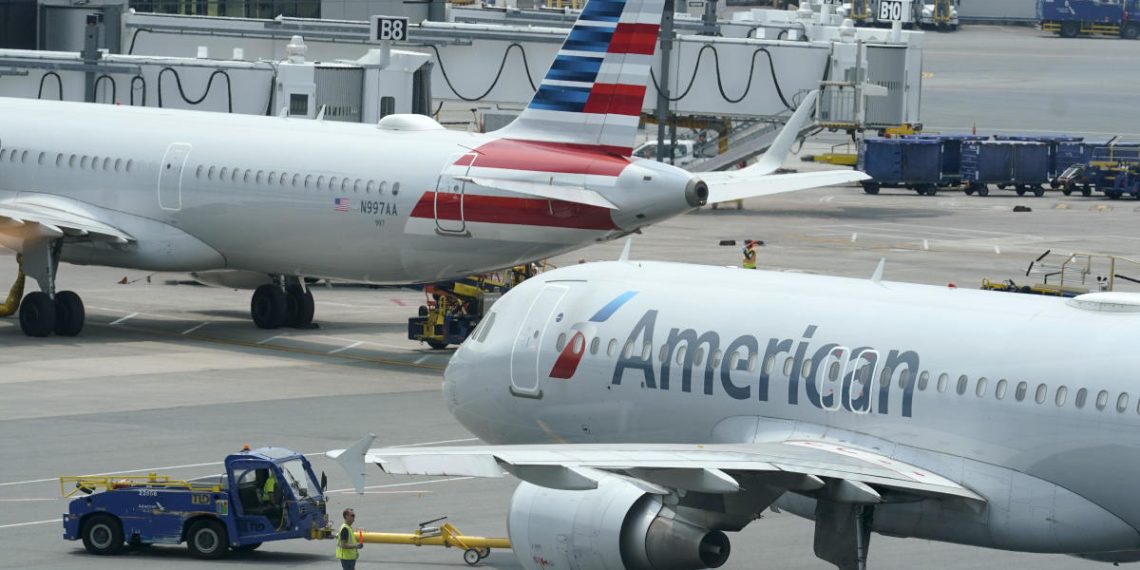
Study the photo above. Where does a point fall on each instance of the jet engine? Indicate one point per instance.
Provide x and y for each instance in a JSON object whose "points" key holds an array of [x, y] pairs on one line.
{"points": [[614, 527]]}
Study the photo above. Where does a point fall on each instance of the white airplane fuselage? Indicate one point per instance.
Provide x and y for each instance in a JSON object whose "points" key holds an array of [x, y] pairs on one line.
{"points": [[1028, 401], [299, 197]]}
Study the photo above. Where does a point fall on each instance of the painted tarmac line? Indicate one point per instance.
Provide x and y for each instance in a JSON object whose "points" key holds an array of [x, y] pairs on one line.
{"points": [[347, 347], [124, 319], [271, 339], [195, 327], [421, 359], [14, 525]]}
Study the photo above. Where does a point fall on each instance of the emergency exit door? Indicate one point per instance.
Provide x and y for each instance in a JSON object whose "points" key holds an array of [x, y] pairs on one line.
{"points": [[170, 176], [525, 371]]}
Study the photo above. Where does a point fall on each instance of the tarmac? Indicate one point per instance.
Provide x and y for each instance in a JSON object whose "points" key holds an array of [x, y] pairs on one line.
{"points": [[170, 378]]}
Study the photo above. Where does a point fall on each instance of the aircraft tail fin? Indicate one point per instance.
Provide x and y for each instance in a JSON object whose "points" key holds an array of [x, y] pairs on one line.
{"points": [[592, 94]]}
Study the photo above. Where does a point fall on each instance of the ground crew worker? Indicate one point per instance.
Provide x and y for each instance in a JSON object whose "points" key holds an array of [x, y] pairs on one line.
{"points": [[269, 488], [749, 261], [347, 547]]}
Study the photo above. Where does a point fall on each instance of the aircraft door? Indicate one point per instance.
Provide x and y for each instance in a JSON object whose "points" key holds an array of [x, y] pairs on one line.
{"points": [[170, 177], [449, 195], [525, 372]]}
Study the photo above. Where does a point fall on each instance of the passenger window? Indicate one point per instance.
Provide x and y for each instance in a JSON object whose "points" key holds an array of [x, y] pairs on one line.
{"points": [[210, 173], [1062, 396], [284, 178], [59, 160], [3, 153], [680, 356], [199, 171], [246, 176], [368, 188], [611, 349], [83, 162], [904, 378], [981, 388], [260, 176], [963, 381], [344, 185], [769, 364], [627, 351], [358, 185], [296, 180], [1042, 392], [885, 377], [664, 354], [1082, 395], [1101, 399], [106, 163], [395, 188], [594, 344], [752, 362], [1002, 386], [332, 182], [71, 160], [923, 380], [24, 156], [383, 186], [118, 164], [130, 164], [561, 342], [788, 366], [1022, 388], [1122, 402], [41, 159], [833, 371], [805, 369], [943, 381], [272, 178], [646, 350]]}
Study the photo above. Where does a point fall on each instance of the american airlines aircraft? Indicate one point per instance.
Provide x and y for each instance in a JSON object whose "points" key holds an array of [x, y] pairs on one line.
{"points": [[404, 201], [651, 407]]}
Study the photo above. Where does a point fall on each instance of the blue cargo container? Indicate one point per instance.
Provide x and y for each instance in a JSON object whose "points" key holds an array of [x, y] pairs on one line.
{"points": [[1023, 166], [1057, 163], [1071, 18], [901, 163], [952, 154]]}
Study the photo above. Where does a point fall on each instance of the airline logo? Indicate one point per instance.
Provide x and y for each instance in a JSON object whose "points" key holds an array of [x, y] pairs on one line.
{"points": [[567, 363]]}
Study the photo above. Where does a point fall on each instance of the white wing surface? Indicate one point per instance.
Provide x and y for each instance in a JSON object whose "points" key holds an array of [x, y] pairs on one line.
{"points": [[54, 218], [862, 476]]}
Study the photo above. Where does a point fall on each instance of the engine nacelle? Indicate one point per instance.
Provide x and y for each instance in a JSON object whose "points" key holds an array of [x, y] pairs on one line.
{"points": [[614, 527]]}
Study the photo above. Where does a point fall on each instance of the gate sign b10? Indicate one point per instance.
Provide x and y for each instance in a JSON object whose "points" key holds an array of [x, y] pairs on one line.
{"points": [[894, 11], [388, 28]]}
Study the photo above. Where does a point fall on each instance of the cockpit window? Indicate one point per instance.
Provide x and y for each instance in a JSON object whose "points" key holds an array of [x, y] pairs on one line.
{"points": [[484, 328]]}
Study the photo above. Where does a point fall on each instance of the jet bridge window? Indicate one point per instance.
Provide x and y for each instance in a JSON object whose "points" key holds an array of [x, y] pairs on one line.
{"points": [[1082, 395], [1002, 386], [981, 388]]}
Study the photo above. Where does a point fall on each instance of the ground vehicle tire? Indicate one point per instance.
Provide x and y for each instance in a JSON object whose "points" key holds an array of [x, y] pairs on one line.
{"points": [[248, 547], [1070, 29], [871, 187], [37, 314], [969, 190], [1020, 190], [1001, 186], [268, 307], [207, 539], [102, 534], [1038, 191], [1086, 191], [436, 345], [983, 190], [1113, 195], [69, 313], [1131, 31], [471, 556], [1067, 191]]}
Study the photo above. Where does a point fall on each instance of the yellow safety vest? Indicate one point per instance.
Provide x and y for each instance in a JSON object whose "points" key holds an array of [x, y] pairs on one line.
{"points": [[749, 258], [269, 487], [347, 553]]}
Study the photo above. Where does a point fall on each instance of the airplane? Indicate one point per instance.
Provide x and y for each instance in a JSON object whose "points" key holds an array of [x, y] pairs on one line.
{"points": [[649, 408], [276, 200]]}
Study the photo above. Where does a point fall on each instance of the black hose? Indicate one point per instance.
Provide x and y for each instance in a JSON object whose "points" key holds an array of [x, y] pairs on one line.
{"points": [[114, 87], [719, 79], [58, 82], [140, 79], [135, 36], [494, 82], [209, 84]]}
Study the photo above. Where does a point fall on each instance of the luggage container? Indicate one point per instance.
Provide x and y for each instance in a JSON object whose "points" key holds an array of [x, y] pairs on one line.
{"points": [[914, 163], [951, 154], [1064, 151], [1021, 165]]}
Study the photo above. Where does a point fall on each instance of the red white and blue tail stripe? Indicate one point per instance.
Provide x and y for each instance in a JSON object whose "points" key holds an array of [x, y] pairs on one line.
{"points": [[594, 91]]}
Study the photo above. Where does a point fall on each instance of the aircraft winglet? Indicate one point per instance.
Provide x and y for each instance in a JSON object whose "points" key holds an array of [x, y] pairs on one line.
{"points": [[352, 461], [780, 148]]}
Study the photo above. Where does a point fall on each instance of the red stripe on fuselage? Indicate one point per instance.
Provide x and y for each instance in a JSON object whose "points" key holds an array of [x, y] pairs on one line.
{"points": [[541, 156], [615, 99], [517, 211], [634, 38]]}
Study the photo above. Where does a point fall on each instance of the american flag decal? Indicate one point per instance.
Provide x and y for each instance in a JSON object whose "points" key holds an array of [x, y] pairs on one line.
{"points": [[341, 204]]}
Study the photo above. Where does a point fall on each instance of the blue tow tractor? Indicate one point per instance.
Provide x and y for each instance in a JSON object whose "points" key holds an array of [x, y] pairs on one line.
{"points": [[264, 495]]}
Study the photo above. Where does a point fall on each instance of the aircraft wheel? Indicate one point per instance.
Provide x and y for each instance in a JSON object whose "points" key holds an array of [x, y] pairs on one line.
{"points": [[299, 306], [268, 307], [102, 534], [37, 314], [208, 539], [69, 313]]}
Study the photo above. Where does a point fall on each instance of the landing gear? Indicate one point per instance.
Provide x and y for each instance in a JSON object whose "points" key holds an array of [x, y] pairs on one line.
{"points": [[275, 306], [843, 533], [46, 311]]}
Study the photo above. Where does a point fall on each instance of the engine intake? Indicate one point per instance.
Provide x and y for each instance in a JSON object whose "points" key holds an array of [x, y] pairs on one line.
{"points": [[617, 526]]}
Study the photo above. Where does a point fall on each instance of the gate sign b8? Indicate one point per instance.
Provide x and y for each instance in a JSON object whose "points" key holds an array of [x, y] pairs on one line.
{"points": [[387, 28], [894, 11]]}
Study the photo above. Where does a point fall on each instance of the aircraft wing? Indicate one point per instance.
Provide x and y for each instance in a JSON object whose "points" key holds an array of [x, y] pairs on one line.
{"points": [[55, 218], [858, 475]]}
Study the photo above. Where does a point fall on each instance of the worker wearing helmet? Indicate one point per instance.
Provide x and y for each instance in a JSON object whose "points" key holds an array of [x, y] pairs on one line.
{"points": [[347, 546]]}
